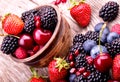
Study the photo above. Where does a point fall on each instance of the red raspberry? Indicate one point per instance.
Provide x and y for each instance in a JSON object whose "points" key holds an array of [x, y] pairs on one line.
{"points": [[116, 28], [20, 53]]}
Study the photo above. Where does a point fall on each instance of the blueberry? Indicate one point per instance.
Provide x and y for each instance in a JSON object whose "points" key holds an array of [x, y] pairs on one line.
{"points": [[96, 50], [71, 77], [105, 33], [88, 44], [112, 36], [99, 26]]}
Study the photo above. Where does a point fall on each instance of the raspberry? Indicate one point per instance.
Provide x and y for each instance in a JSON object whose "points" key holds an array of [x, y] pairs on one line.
{"points": [[109, 11], [9, 44], [20, 53], [116, 28]]}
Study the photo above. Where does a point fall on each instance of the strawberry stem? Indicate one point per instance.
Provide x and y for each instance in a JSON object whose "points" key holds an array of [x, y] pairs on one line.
{"points": [[100, 35], [35, 74]]}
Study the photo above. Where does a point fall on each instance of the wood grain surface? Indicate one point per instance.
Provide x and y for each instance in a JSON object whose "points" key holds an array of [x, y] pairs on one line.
{"points": [[11, 71]]}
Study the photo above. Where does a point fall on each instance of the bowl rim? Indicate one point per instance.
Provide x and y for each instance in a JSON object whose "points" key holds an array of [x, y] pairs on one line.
{"points": [[49, 42]]}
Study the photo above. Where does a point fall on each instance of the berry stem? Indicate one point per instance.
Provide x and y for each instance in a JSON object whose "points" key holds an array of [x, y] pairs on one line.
{"points": [[100, 35]]}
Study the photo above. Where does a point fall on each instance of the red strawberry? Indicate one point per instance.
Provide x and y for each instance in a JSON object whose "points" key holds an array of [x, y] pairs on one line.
{"points": [[116, 28], [12, 24], [58, 69], [116, 68], [20, 53], [35, 77], [81, 13]]}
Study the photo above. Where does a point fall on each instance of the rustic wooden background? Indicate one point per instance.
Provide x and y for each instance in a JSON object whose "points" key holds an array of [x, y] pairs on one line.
{"points": [[11, 71]]}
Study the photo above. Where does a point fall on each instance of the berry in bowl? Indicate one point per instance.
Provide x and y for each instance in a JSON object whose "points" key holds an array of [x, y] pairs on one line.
{"points": [[36, 37]]}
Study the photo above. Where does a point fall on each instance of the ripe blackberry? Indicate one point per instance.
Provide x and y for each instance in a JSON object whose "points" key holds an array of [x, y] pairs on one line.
{"points": [[90, 68], [109, 49], [109, 11], [80, 78], [77, 46], [92, 35], [48, 17], [80, 61], [79, 38], [29, 24], [26, 15], [9, 44], [116, 46], [96, 76]]}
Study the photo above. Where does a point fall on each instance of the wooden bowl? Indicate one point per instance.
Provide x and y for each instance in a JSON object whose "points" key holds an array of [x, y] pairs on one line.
{"points": [[57, 46]]}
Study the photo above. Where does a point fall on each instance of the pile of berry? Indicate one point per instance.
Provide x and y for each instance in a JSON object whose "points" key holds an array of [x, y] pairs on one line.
{"points": [[28, 34]]}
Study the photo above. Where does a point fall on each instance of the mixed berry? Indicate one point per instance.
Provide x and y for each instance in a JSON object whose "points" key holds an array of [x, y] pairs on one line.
{"points": [[28, 34]]}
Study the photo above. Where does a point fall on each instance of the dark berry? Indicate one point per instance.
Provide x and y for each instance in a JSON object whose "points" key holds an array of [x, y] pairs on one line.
{"points": [[79, 38], [80, 78], [9, 44], [109, 11], [48, 17]]}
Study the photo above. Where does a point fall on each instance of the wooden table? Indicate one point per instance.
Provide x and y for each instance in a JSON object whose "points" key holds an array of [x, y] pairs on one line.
{"points": [[11, 71]]}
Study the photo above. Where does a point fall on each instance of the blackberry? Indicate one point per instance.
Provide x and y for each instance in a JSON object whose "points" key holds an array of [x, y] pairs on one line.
{"points": [[96, 76], [109, 49], [90, 68], [48, 17], [80, 78], [26, 15], [79, 38], [9, 44], [109, 11], [77, 46], [80, 61], [29, 24], [92, 35], [116, 46]]}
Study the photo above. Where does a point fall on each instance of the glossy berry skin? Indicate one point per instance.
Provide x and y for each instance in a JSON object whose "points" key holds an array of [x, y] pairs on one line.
{"points": [[113, 81], [103, 62], [26, 41], [112, 36], [34, 79], [41, 37], [80, 12], [96, 50], [88, 45]]}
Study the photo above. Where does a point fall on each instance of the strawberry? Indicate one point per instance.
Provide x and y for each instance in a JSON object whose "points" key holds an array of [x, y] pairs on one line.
{"points": [[35, 77], [12, 24], [116, 28], [116, 67], [58, 69], [81, 12]]}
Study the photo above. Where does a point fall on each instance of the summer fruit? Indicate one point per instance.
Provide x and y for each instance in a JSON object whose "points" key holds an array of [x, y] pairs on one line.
{"points": [[35, 77], [112, 36], [48, 17], [41, 37], [99, 26], [58, 69], [81, 11], [9, 44], [12, 24], [96, 50], [103, 62], [113, 81], [116, 28], [71, 77], [88, 45], [116, 68], [109, 11], [20, 53], [26, 41]]}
